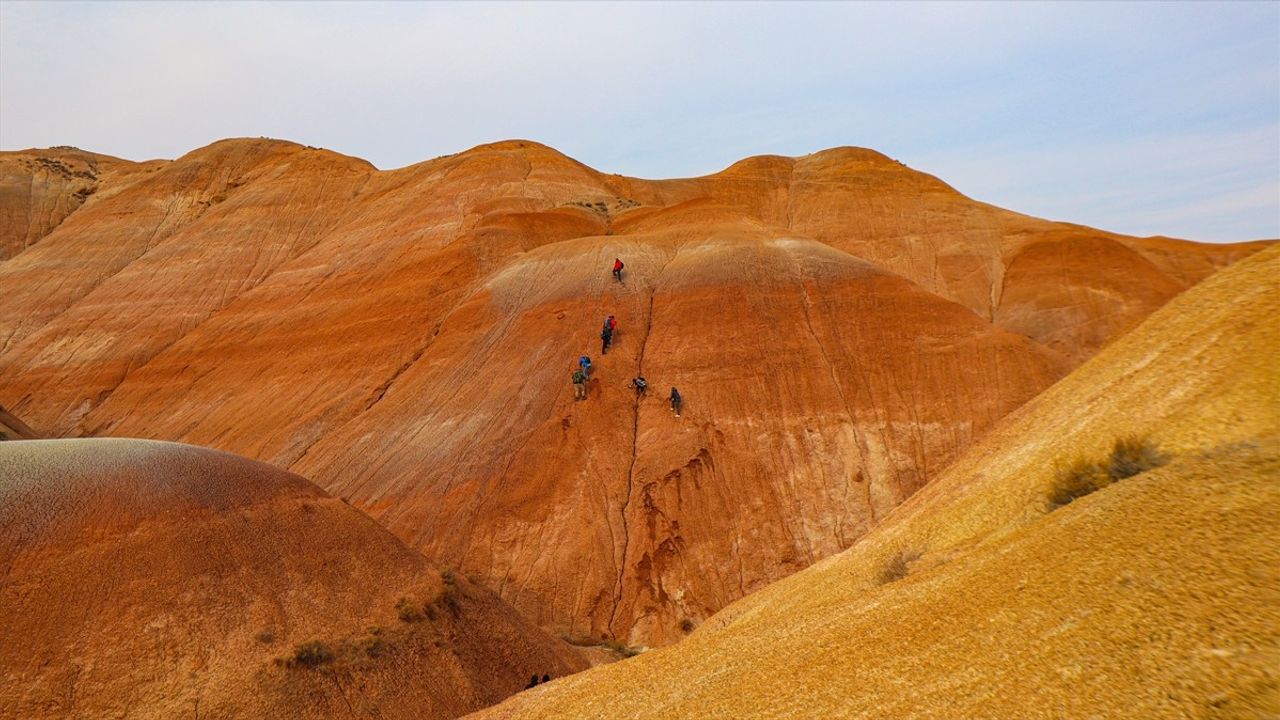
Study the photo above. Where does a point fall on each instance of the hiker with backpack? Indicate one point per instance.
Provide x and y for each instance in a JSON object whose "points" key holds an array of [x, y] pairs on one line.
{"points": [[640, 385], [579, 384], [606, 339], [676, 401], [617, 269]]}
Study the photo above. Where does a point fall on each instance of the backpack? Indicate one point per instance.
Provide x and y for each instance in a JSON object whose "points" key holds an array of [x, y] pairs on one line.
{"points": [[579, 377], [640, 383]]}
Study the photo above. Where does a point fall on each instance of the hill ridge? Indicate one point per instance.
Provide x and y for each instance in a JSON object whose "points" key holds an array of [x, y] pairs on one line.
{"points": [[841, 327]]}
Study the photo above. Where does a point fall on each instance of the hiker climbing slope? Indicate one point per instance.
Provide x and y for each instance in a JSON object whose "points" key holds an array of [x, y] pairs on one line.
{"points": [[676, 401], [579, 384], [640, 385], [606, 334], [617, 269]]}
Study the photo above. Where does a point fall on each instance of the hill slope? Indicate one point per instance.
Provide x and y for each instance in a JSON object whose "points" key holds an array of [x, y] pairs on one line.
{"points": [[1153, 597], [148, 579], [841, 328]]}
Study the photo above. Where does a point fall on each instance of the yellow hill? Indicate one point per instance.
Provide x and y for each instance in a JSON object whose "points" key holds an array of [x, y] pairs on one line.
{"points": [[1154, 597]]}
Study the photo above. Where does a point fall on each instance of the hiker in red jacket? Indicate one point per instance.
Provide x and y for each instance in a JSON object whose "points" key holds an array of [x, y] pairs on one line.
{"points": [[617, 269]]}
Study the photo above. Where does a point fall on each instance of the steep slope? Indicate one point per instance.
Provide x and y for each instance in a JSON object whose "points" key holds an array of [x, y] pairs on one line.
{"points": [[147, 579], [841, 326], [1153, 597], [41, 188]]}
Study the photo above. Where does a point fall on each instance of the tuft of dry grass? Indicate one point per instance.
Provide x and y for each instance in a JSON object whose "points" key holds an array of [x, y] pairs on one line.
{"points": [[1130, 455], [898, 566], [408, 611], [312, 654], [448, 599], [372, 645], [1075, 480], [1134, 455]]}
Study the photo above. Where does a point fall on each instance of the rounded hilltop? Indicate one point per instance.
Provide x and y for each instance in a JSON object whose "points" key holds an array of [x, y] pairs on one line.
{"points": [[170, 580]]}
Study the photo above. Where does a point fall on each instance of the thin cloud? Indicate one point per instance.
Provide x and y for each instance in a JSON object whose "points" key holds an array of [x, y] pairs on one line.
{"points": [[1149, 118]]}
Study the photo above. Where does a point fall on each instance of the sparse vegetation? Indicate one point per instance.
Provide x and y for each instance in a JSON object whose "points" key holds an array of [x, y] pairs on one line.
{"points": [[372, 645], [362, 650], [1131, 455], [898, 566], [266, 637], [687, 626], [408, 611], [1077, 479], [312, 654], [447, 599]]}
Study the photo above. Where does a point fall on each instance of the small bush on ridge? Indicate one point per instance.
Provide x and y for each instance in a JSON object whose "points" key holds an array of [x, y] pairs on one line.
{"points": [[312, 654], [1130, 455]]}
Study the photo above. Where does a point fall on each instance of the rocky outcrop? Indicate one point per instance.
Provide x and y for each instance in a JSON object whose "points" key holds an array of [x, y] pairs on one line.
{"points": [[841, 328], [155, 580]]}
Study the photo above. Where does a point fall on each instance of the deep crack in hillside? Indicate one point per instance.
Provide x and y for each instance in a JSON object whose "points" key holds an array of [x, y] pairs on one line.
{"points": [[635, 438]]}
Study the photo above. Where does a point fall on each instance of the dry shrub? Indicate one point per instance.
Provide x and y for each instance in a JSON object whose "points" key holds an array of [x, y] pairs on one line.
{"points": [[1130, 455], [898, 566], [1134, 455], [448, 599], [407, 611], [372, 645], [312, 654], [1077, 479]]}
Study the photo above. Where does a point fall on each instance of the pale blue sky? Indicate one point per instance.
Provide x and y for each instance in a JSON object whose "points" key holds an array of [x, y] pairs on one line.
{"points": [[1144, 118]]}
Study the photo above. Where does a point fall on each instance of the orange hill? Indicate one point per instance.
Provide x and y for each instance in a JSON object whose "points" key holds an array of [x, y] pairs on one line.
{"points": [[981, 597], [841, 328], [155, 580]]}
